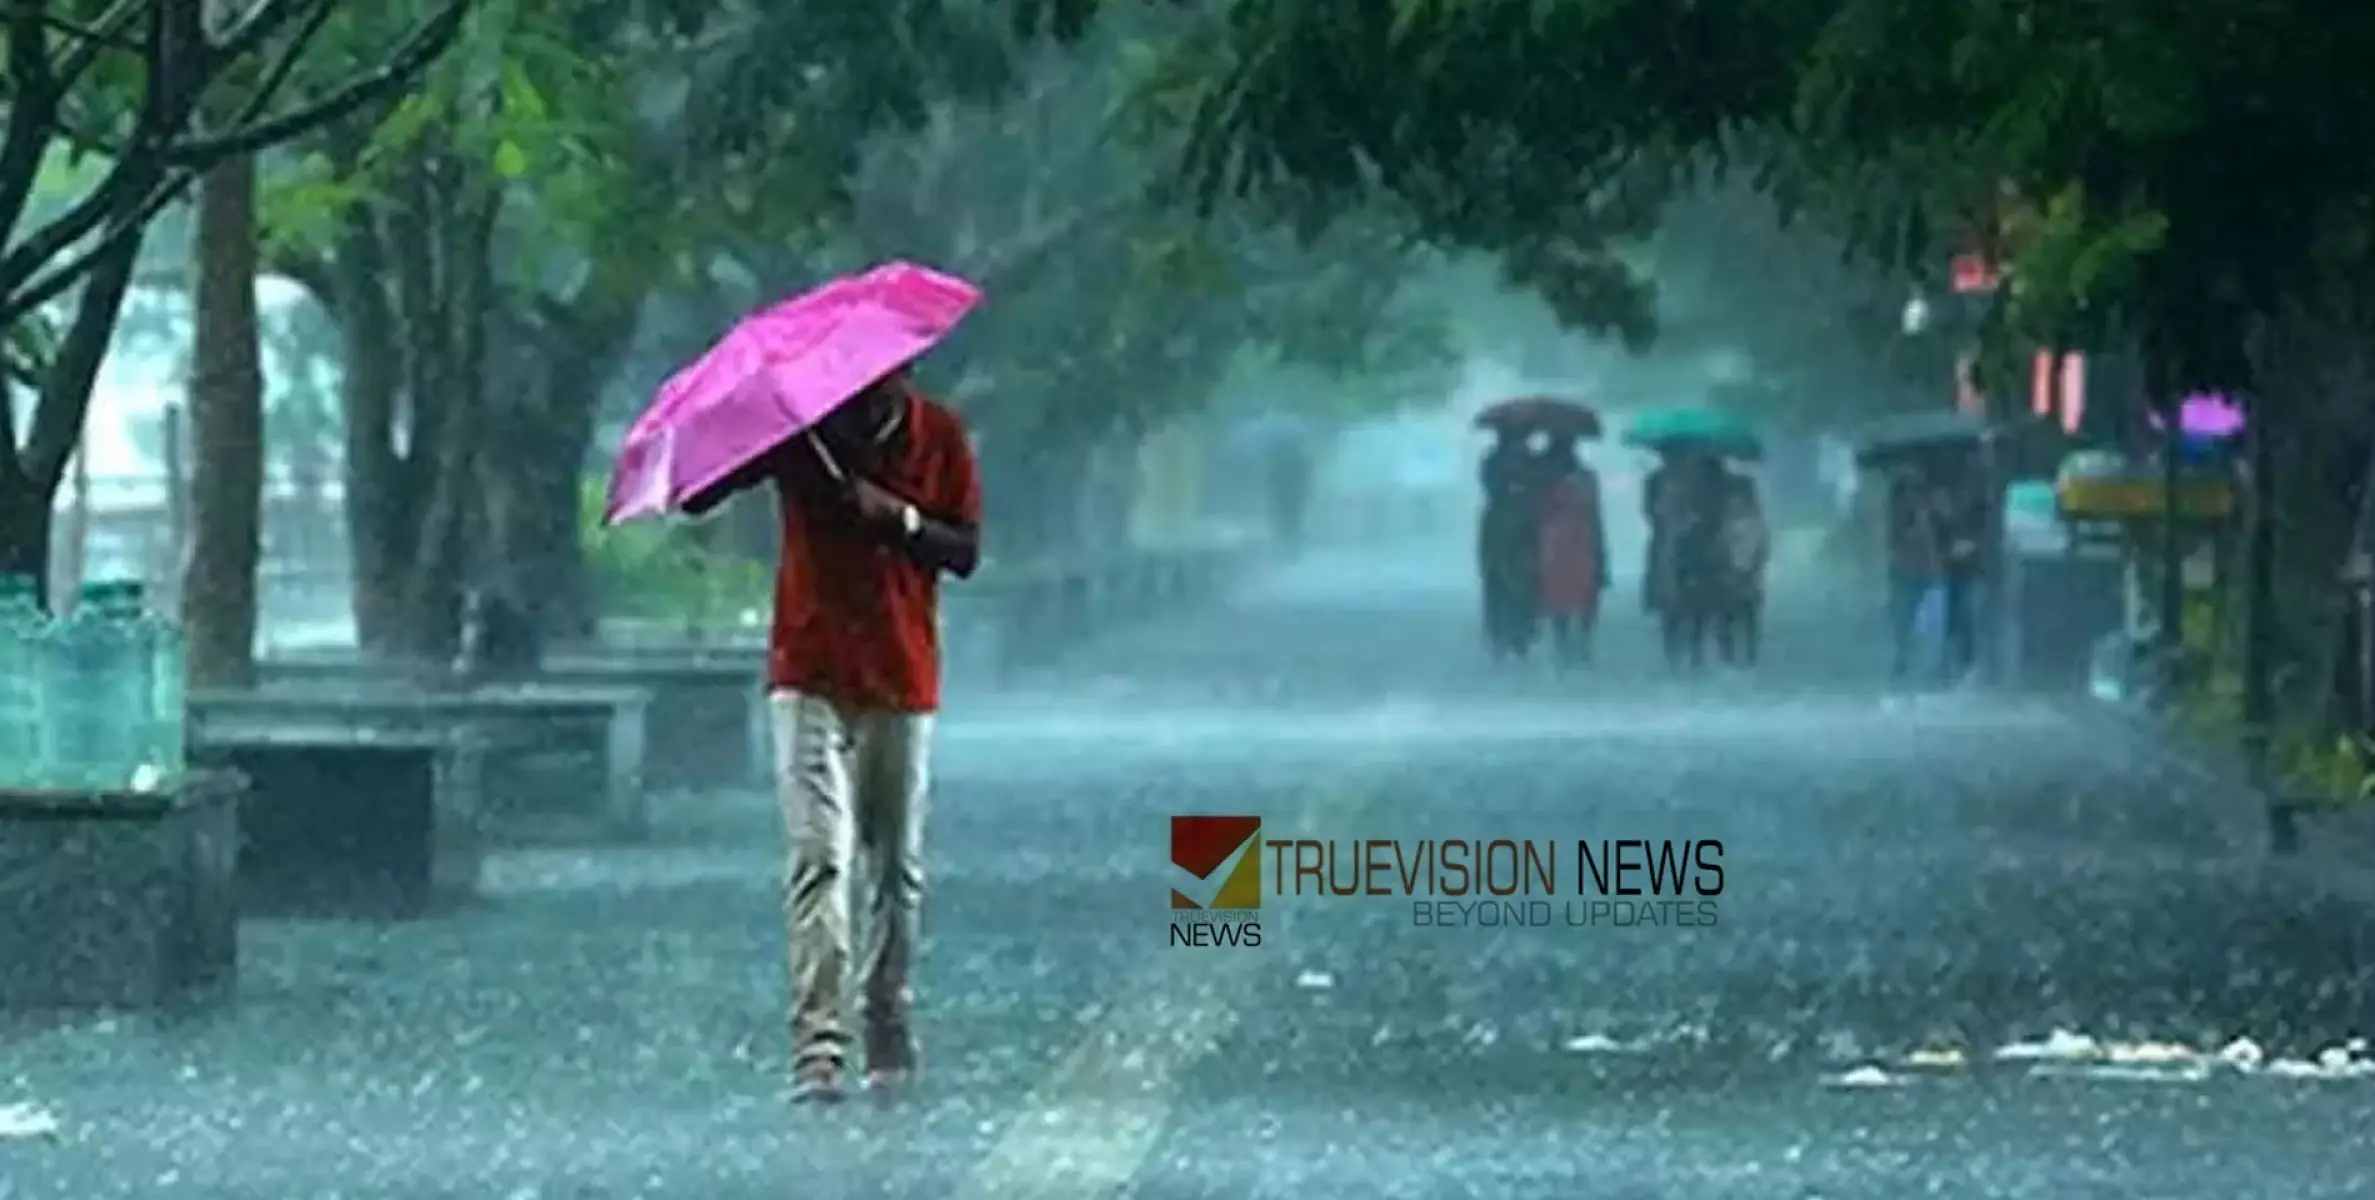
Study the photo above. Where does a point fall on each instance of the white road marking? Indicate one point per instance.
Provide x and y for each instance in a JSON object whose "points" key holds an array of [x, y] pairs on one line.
{"points": [[1089, 1127]]}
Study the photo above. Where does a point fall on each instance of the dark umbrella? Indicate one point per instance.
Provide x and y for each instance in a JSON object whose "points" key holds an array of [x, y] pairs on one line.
{"points": [[1530, 413], [1913, 435], [2021, 442]]}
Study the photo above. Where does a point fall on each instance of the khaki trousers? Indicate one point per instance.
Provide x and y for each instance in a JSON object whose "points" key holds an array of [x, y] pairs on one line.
{"points": [[854, 786]]}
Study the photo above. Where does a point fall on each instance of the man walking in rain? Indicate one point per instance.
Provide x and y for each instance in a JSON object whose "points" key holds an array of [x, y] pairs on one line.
{"points": [[872, 511]]}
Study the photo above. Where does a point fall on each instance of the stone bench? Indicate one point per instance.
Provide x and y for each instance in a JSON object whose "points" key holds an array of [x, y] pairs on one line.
{"points": [[570, 763], [359, 804], [705, 717], [119, 900]]}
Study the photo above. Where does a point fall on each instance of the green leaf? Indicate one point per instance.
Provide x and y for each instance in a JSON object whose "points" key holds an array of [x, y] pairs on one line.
{"points": [[521, 99], [511, 162]]}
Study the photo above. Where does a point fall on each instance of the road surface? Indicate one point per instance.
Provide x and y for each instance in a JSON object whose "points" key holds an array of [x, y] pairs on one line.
{"points": [[1950, 880]]}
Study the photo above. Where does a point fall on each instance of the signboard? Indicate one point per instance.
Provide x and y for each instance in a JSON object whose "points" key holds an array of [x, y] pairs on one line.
{"points": [[1974, 275]]}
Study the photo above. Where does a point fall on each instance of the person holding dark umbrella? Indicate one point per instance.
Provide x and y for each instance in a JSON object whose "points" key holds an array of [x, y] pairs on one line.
{"points": [[1509, 542], [1574, 549], [1685, 499], [1507, 537]]}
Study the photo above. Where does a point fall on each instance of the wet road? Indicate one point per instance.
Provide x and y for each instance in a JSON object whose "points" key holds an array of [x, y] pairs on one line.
{"points": [[1955, 877]]}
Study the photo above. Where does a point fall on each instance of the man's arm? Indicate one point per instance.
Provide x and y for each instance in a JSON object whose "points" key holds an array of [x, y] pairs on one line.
{"points": [[945, 545], [946, 534]]}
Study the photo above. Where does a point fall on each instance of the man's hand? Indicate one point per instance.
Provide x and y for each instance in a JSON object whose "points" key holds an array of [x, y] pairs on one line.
{"points": [[876, 503]]}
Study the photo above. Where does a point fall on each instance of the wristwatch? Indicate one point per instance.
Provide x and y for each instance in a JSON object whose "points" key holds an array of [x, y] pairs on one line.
{"points": [[910, 520]]}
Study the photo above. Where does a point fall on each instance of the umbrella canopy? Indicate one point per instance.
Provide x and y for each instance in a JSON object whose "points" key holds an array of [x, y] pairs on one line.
{"points": [[777, 374], [1709, 430], [1911, 435], [1547, 413]]}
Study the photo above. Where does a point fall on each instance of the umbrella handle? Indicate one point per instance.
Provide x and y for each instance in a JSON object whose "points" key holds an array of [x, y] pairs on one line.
{"points": [[825, 455]]}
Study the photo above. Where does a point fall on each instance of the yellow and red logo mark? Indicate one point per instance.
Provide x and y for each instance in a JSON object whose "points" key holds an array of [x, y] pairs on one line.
{"points": [[1204, 846]]}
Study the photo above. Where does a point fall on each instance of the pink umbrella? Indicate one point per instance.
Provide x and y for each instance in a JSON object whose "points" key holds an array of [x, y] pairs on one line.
{"points": [[776, 374]]}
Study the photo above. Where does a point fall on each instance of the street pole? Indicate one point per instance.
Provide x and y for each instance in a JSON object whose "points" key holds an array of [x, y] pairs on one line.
{"points": [[2160, 397], [2259, 632]]}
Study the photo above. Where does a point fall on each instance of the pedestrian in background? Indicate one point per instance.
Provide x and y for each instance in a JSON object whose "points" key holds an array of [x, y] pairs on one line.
{"points": [[1573, 553]]}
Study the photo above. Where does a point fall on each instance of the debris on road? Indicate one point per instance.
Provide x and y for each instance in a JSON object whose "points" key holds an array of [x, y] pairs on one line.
{"points": [[2059, 1046], [22, 1121], [1601, 1043], [1865, 1077], [2193, 1071], [2243, 1054]]}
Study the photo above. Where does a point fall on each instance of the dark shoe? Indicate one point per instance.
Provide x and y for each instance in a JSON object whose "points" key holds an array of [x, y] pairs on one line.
{"points": [[890, 1056]]}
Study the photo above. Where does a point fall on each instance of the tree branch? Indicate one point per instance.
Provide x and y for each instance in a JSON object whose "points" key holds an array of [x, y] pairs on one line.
{"points": [[308, 271], [100, 34], [163, 109], [66, 393], [261, 22], [29, 299], [277, 75], [176, 163], [31, 112], [108, 33], [411, 58]]}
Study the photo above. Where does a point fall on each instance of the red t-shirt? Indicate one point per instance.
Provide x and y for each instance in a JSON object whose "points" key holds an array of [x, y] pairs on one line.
{"points": [[857, 621]]}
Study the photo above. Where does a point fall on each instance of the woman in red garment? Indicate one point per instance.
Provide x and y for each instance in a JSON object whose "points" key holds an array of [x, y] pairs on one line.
{"points": [[1574, 551]]}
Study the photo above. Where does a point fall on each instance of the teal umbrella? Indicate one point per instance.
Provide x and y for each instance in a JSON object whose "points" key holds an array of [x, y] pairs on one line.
{"points": [[1711, 429]]}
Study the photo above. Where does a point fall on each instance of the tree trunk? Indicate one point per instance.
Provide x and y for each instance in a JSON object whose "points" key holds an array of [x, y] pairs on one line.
{"points": [[29, 484], [2259, 594], [378, 483], [2162, 398], [445, 322], [535, 510], [226, 433], [24, 530], [536, 471], [67, 555]]}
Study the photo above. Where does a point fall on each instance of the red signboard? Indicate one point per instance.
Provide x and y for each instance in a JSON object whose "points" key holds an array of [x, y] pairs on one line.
{"points": [[1975, 275], [2057, 389]]}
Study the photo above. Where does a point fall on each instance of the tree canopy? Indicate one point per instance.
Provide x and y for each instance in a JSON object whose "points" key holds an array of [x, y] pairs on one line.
{"points": [[2169, 170], [156, 95]]}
